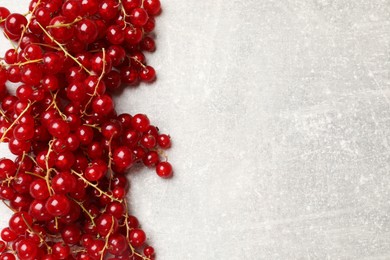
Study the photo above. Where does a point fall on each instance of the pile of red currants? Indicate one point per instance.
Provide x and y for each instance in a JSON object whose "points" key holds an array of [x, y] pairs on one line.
{"points": [[67, 185]]}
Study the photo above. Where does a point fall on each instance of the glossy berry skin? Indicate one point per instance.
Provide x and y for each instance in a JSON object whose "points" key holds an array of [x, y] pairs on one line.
{"points": [[71, 9], [115, 34], [108, 9], [58, 128], [60, 32], [8, 235], [58, 205], [27, 249], [147, 74], [39, 189], [14, 23], [61, 251], [86, 31], [140, 122], [138, 17], [164, 170], [137, 237], [4, 13], [122, 158], [106, 223], [117, 244], [149, 251], [102, 105], [71, 234], [153, 7], [19, 222], [164, 141]]}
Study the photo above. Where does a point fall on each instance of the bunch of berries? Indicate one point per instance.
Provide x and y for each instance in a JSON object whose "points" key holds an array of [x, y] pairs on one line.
{"points": [[67, 185]]}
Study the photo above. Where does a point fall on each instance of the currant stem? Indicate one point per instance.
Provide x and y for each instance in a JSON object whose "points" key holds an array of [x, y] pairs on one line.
{"points": [[28, 24], [78, 19], [48, 169], [63, 49], [140, 63], [98, 82], [15, 122], [26, 62], [85, 210], [54, 104], [96, 187], [8, 206], [31, 230], [107, 238]]}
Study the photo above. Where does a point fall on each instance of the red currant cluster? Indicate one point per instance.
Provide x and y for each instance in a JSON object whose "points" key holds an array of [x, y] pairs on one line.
{"points": [[67, 186]]}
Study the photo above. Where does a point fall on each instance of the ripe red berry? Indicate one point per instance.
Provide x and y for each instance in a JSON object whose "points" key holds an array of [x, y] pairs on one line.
{"points": [[153, 7], [164, 169], [14, 23], [58, 205], [137, 237]]}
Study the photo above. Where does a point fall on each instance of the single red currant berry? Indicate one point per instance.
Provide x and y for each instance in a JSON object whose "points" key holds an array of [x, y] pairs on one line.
{"points": [[147, 74], [15, 23], [86, 31], [76, 92], [52, 63], [150, 25], [151, 158], [95, 172], [7, 256], [4, 13], [100, 62], [140, 122], [153, 7], [137, 237], [8, 235], [39, 189], [60, 32], [117, 244], [164, 169], [115, 34], [105, 224], [95, 248], [108, 9], [122, 158], [148, 251], [58, 128], [7, 168], [128, 5], [138, 17], [148, 141], [27, 249], [38, 211], [102, 105], [64, 182], [113, 80], [164, 141], [31, 74], [148, 44], [58, 205], [19, 222], [133, 35], [71, 9], [129, 75], [89, 7], [60, 251], [71, 234]]}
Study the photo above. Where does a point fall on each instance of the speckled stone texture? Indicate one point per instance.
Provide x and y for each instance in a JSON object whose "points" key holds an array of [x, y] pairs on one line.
{"points": [[280, 116]]}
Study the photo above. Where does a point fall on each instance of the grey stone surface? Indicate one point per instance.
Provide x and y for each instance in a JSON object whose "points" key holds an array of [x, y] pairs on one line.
{"points": [[280, 116]]}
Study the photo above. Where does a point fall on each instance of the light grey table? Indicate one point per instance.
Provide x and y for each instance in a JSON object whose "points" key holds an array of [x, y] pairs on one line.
{"points": [[280, 117]]}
